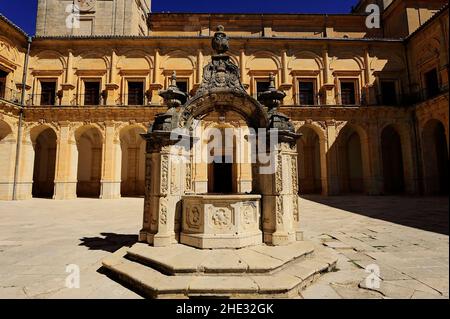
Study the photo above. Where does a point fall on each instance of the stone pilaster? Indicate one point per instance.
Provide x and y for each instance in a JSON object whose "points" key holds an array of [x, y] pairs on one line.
{"points": [[66, 160], [24, 184], [166, 181], [281, 221], [332, 159], [7, 164], [110, 183]]}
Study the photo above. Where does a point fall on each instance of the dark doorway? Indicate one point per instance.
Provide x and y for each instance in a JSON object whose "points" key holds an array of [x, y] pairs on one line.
{"points": [[388, 93], [393, 175], [435, 158], [222, 175], [442, 158], [309, 165], [44, 164], [431, 83], [354, 164]]}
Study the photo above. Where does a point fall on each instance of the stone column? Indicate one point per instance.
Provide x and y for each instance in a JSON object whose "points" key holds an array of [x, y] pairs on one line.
{"points": [[7, 163], [166, 181], [66, 165], [332, 159], [280, 203], [110, 183], [24, 185]]}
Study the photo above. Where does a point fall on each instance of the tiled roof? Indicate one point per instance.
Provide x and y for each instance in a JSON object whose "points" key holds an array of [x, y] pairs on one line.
{"points": [[12, 24]]}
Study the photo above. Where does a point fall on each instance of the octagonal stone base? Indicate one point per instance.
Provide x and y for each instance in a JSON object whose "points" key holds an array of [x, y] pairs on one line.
{"points": [[221, 221]]}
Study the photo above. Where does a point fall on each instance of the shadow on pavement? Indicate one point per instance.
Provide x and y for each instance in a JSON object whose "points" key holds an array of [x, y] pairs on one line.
{"points": [[426, 213], [110, 242]]}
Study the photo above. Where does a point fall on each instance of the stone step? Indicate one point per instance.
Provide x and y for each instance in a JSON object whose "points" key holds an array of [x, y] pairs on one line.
{"points": [[184, 260], [286, 283]]}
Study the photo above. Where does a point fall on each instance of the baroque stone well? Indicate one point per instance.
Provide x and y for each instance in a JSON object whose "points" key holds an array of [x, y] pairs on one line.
{"points": [[221, 210], [223, 200]]}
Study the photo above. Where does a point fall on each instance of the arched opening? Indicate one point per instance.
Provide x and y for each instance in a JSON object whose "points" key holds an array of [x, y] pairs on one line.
{"points": [[44, 164], [89, 145], [351, 174], [133, 162], [222, 161], [393, 171], [309, 167], [435, 157]]}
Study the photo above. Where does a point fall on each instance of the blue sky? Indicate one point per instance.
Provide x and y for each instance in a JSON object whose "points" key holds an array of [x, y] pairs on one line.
{"points": [[23, 12]]}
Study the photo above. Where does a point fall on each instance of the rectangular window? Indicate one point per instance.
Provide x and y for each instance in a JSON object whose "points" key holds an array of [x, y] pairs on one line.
{"points": [[348, 93], [91, 93], [135, 93], [388, 93], [261, 86], [431, 83], [48, 93], [306, 93], [3, 76], [183, 85]]}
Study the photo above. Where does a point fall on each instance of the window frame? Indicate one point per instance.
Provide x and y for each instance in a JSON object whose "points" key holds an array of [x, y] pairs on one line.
{"points": [[127, 80], [84, 80], [314, 92], [356, 89], [38, 89]]}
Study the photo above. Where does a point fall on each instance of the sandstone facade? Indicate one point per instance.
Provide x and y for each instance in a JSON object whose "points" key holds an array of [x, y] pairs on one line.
{"points": [[372, 104]]}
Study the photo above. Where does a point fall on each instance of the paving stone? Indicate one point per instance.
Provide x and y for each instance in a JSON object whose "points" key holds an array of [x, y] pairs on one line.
{"points": [[281, 281], [218, 284], [38, 237], [424, 295], [320, 291], [352, 292], [258, 262], [337, 245], [223, 261]]}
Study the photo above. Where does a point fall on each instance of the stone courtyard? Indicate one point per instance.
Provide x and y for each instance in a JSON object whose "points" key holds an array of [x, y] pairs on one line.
{"points": [[405, 237]]}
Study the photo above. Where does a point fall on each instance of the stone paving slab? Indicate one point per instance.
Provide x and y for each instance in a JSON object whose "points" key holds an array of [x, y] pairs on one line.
{"points": [[39, 238], [410, 259]]}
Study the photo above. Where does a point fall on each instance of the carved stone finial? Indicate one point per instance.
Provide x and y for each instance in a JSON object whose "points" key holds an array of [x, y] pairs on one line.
{"points": [[272, 98], [271, 81], [173, 97], [220, 41], [173, 79]]}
